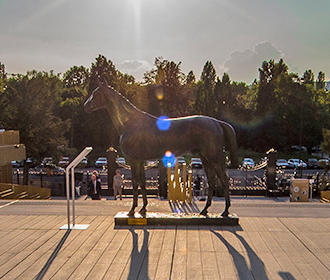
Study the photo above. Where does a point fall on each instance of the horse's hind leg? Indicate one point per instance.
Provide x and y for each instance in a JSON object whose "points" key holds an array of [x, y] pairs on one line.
{"points": [[221, 172], [211, 177], [142, 178]]}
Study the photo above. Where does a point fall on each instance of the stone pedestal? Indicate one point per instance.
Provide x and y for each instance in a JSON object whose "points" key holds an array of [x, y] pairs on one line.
{"points": [[173, 219]]}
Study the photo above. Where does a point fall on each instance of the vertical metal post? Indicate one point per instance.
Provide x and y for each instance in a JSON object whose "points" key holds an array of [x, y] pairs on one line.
{"points": [[67, 174], [71, 166], [73, 197]]}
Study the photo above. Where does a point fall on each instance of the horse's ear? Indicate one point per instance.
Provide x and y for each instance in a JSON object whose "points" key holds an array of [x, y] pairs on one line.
{"points": [[99, 81], [105, 82]]}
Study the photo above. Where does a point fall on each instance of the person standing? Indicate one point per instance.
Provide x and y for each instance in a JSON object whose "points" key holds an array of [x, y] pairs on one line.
{"points": [[116, 185], [94, 188]]}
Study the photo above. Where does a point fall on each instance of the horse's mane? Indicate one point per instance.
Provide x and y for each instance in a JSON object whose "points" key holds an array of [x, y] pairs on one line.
{"points": [[125, 100]]}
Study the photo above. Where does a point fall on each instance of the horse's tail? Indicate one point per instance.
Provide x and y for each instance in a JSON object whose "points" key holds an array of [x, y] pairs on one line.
{"points": [[230, 142]]}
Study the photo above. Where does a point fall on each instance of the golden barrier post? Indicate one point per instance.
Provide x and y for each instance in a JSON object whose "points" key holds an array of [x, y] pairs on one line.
{"points": [[179, 189], [177, 182], [190, 185], [184, 184], [170, 184]]}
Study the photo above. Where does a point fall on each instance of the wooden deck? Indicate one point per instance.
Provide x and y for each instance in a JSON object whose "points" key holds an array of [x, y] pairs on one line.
{"points": [[260, 248]]}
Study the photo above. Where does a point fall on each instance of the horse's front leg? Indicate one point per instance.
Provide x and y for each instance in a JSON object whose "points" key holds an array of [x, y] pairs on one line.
{"points": [[142, 179], [135, 190]]}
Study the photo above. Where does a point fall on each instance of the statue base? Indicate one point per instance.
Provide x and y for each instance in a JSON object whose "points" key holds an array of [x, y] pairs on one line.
{"points": [[173, 219]]}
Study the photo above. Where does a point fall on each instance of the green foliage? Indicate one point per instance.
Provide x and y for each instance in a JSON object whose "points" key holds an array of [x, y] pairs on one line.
{"points": [[320, 83], [308, 77], [29, 104], [171, 92], [278, 110], [326, 141]]}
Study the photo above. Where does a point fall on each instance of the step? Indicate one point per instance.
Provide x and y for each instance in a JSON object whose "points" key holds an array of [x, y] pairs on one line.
{"points": [[9, 195], [5, 191]]}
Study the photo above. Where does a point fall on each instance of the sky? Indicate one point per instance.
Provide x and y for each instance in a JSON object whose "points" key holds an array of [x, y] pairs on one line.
{"points": [[236, 35]]}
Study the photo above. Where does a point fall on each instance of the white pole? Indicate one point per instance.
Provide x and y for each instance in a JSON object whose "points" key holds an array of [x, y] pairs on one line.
{"points": [[67, 174], [71, 166], [73, 197]]}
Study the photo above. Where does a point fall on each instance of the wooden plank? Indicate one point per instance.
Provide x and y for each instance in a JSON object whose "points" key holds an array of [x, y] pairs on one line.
{"points": [[294, 249], [69, 246], [208, 255], [95, 253], [69, 258], [285, 263], [151, 259], [301, 241], [31, 265], [138, 261], [123, 255], [194, 260], [12, 234], [15, 259], [109, 254], [21, 241], [232, 259], [163, 271], [179, 266]]}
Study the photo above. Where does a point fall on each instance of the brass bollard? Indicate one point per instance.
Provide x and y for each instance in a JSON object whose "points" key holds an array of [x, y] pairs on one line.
{"points": [[190, 186], [179, 189]]}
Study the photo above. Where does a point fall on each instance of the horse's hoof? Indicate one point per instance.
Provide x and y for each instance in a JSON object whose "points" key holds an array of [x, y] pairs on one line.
{"points": [[131, 213], [204, 212], [225, 214], [143, 211]]}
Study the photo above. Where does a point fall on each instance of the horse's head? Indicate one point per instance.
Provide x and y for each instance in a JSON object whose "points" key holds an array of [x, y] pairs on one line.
{"points": [[97, 99]]}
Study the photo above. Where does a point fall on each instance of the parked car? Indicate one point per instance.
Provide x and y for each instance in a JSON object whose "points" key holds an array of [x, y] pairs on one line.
{"points": [[83, 163], [181, 160], [196, 163], [312, 163], [323, 162], [295, 163], [298, 148], [47, 160], [31, 162], [282, 163], [64, 161], [120, 160], [153, 163], [50, 169], [101, 161], [248, 163], [15, 163]]}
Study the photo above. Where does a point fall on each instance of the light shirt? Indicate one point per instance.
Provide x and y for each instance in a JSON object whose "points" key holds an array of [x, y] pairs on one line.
{"points": [[117, 180]]}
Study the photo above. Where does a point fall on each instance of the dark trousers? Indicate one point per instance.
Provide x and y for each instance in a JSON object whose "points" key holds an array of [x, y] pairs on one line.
{"points": [[95, 196]]}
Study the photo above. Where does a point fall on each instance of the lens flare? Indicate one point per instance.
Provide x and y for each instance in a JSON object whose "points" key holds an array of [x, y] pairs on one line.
{"points": [[169, 159], [159, 94], [163, 123]]}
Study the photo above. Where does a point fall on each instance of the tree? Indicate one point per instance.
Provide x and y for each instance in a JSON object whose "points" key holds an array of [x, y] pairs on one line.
{"points": [[320, 83], [326, 141], [73, 95], [3, 77], [205, 98], [169, 76], [29, 103], [308, 77], [191, 79]]}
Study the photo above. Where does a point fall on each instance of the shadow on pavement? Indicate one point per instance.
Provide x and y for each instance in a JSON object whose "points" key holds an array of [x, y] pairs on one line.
{"points": [[139, 259], [43, 271], [257, 269]]}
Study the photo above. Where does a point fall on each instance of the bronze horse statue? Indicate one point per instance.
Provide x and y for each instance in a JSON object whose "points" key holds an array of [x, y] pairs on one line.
{"points": [[141, 140]]}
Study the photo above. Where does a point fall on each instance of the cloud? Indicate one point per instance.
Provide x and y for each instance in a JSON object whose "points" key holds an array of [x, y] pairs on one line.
{"points": [[135, 67], [244, 65]]}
